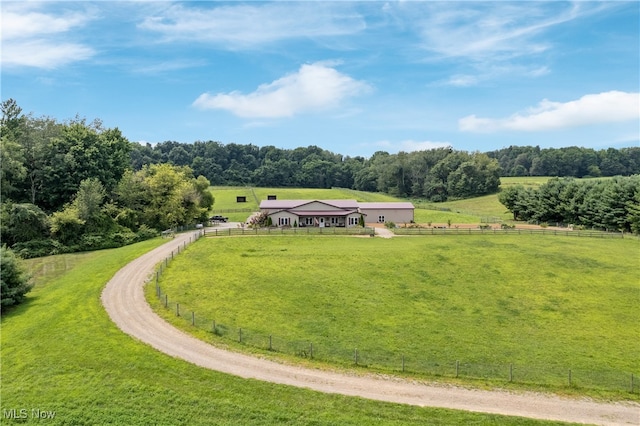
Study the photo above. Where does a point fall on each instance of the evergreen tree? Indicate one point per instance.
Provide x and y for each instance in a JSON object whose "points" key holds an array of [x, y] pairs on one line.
{"points": [[14, 281]]}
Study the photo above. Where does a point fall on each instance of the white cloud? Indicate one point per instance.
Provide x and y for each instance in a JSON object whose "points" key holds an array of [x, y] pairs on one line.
{"points": [[462, 80], [43, 54], [410, 145], [36, 39], [607, 107], [313, 87], [494, 38], [494, 30], [167, 66], [247, 25]]}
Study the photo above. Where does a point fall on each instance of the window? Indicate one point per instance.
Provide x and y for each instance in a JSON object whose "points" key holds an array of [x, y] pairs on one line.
{"points": [[353, 221], [308, 221], [380, 219], [283, 221], [333, 220]]}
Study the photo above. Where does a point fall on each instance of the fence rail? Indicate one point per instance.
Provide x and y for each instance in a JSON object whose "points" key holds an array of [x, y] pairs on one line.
{"points": [[471, 231], [383, 360], [290, 231], [232, 211]]}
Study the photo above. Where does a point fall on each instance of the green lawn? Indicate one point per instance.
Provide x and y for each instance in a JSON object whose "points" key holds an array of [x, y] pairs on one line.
{"points": [[60, 352], [544, 304]]}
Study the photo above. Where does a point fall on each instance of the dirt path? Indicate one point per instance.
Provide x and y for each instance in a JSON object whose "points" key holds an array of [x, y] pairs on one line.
{"points": [[124, 301]]}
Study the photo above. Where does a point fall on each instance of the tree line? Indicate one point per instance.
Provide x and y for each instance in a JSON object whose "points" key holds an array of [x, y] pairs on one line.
{"points": [[567, 162], [71, 186], [609, 204], [437, 174]]}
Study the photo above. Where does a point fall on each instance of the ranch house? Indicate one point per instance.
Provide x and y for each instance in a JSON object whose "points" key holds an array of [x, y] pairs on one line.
{"points": [[334, 213]]}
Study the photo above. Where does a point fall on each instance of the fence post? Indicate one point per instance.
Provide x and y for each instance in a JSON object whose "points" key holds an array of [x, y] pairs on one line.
{"points": [[270, 343], [193, 318], [355, 356], [240, 332], [166, 300], [457, 368], [511, 372], [631, 382], [403, 363], [569, 377], [311, 350]]}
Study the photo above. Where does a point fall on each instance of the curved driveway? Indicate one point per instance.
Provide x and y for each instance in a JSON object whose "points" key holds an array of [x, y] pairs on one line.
{"points": [[124, 300]]}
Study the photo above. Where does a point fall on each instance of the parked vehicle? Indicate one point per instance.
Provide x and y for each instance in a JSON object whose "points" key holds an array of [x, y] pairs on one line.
{"points": [[218, 218]]}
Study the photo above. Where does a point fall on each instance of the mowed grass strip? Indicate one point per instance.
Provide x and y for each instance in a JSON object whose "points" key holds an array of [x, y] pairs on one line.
{"points": [[61, 353], [539, 302]]}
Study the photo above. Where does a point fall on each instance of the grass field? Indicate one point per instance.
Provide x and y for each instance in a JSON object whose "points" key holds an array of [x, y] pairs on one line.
{"points": [[545, 304], [61, 353], [527, 181]]}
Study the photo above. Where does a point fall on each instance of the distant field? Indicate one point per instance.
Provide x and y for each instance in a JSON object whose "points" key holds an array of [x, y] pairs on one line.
{"points": [[473, 210], [61, 353], [543, 303], [225, 197], [483, 209], [527, 181]]}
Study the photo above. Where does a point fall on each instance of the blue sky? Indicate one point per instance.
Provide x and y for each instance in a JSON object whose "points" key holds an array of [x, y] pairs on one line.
{"points": [[350, 77]]}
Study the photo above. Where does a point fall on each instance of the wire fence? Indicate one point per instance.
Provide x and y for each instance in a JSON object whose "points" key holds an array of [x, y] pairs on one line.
{"points": [[384, 360]]}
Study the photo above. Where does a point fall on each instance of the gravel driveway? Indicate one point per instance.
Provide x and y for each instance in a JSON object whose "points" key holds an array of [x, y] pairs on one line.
{"points": [[124, 300]]}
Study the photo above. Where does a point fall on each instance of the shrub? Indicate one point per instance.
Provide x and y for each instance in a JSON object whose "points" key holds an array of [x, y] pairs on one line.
{"points": [[146, 233], [389, 225], [39, 248], [15, 283], [122, 238]]}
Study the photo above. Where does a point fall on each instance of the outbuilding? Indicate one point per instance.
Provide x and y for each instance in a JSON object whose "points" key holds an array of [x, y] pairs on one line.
{"points": [[398, 212]]}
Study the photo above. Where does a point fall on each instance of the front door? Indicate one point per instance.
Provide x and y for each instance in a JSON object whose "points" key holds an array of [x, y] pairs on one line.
{"points": [[321, 222]]}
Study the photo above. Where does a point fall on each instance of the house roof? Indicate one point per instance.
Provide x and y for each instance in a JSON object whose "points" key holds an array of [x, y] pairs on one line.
{"points": [[290, 204], [386, 206], [322, 212]]}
